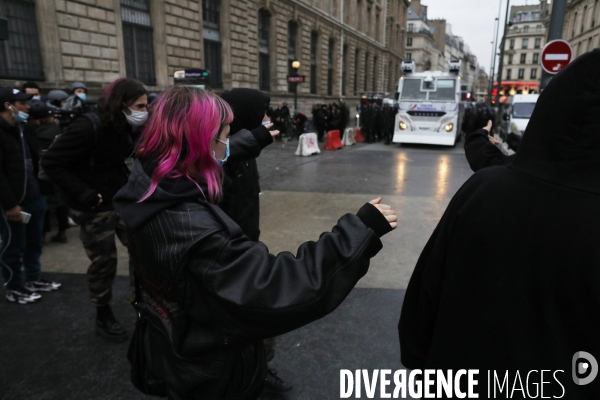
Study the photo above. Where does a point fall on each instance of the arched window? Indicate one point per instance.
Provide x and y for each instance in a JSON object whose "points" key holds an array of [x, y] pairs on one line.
{"points": [[356, 54], [366, 72], [330, 68], [314, 41], [20, 55], [211, 15], [375, 74], [344, 69], [359, 25], [292, 36], [264, 60], [137, 40]]}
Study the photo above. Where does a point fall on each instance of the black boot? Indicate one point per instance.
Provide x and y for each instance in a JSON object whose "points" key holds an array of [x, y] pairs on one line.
{"points": [[274, 384], [108, 326]]}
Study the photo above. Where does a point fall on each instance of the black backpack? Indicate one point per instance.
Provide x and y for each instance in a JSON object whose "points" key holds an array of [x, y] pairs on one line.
{"points": [[95, 120]]}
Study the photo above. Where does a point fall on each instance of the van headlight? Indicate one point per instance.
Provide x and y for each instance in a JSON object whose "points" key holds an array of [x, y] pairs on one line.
{"points": [[449, 127], [402, 125]]}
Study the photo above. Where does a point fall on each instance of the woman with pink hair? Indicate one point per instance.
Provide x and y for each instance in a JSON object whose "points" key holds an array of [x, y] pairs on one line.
{"points": [[207, 294]]}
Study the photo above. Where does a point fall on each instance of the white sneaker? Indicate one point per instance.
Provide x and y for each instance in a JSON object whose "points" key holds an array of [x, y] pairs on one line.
{"points": [[42, 285], [22, 296]]}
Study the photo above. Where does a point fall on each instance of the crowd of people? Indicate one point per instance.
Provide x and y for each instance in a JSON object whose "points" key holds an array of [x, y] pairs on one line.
{"points": [[210, 298], [377, 121], [330, 117]]}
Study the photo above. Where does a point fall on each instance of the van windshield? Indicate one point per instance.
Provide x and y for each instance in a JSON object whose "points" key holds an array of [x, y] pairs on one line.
{"points": [[441, 90], [412, 90], [523, 110]]}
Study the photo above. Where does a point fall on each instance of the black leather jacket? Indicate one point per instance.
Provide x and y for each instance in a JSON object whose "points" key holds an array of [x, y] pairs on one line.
{"points": [[215, 294]]}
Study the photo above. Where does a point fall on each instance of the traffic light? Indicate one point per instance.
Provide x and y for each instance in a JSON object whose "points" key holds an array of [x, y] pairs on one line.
{"points": [[494, 95]]}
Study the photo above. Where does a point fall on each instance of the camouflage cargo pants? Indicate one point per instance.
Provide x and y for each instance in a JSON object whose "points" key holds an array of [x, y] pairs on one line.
{"points": [[97, 233]]}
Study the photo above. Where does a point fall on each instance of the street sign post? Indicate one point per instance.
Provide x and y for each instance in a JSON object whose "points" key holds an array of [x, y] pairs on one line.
{"points": [[295, 78], [556, 55]]}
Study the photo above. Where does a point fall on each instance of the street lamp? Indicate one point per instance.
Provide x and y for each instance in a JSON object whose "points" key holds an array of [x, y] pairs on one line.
{"points": [[296, 66]]}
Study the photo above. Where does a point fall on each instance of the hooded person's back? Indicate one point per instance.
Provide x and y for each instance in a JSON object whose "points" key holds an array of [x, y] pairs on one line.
{"points": [[248, 137], [510, 278]]}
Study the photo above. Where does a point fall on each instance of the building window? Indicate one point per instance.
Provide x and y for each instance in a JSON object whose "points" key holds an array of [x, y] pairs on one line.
{"points": [[534, 73], [573, 26], [391, 78], [20, 56], [524, 43], [359, 22], [536, 58], [330, 68], [523, 58], [375, 74], [314, 40], [137, 40], [521, 73], [264, 60], [510, 59], [356, 54], [366, 72], [512, 44], [292, 33], [508, 73], [211, 16], [408, 57], [344, 69], [408, 42], [583, 18], [411, 28], [538, 43], [526, 29]]}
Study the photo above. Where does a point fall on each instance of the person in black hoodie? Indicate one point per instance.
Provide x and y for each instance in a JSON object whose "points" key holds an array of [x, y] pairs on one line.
{"points": [[241, 187], [208, 294], [481, 149], [509, 280], [87, 162], [248, 138]]}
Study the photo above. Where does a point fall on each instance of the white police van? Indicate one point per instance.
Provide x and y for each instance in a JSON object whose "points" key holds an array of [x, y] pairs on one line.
{"points": [[430, 109]]}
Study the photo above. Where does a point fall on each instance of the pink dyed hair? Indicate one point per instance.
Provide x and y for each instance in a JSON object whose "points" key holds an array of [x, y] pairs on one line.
{"points": [[183, 122]]}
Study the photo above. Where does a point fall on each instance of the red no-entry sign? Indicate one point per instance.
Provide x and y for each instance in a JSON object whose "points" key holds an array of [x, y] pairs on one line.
{"points": [[556, 55]]}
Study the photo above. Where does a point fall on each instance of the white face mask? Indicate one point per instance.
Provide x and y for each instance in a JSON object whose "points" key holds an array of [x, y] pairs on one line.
{"points": [[136, 118], [36, 98]]}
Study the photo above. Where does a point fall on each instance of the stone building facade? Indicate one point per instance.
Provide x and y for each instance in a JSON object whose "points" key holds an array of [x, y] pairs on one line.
{"points": [[421, 46], [432, 45], [345, 47], [582, 25], [523, 46]]}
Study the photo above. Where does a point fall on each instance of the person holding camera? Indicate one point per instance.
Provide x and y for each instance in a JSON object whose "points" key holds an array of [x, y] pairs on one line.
{"points": [[87, 162], [23, 205]]}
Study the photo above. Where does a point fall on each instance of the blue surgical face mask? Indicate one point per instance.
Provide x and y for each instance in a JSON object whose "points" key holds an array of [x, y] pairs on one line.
{"points": [[82, 96], [223, 161], [20, 116]]}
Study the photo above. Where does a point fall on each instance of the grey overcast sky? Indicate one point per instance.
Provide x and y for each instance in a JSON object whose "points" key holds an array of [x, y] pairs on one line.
{"points": [[474, 21]]}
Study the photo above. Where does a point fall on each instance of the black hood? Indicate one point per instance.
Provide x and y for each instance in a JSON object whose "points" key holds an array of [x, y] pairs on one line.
{"points": [[561, 144], [168, 193], [249, 107]]}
